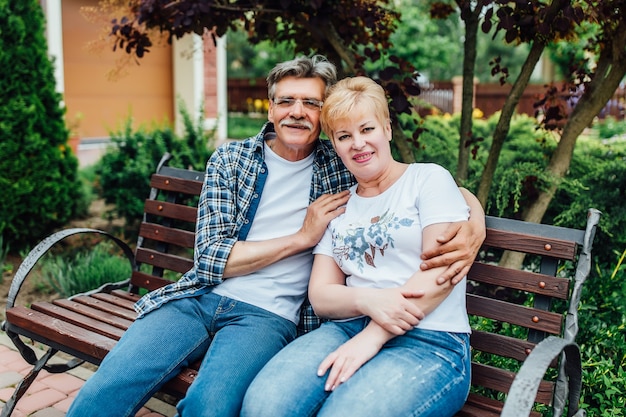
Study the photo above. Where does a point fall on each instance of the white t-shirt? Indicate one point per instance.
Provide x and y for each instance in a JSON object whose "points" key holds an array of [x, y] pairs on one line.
{"points": [[280, 287], [377, 242]]}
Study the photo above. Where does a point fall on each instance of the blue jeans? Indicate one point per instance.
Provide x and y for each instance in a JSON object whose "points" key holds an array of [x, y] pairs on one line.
{"points": [[236, 339], [422, 373]]}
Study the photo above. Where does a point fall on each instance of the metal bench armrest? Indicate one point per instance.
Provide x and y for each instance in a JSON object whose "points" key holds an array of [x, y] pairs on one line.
{"points": [[524, 388], [29, 263]]}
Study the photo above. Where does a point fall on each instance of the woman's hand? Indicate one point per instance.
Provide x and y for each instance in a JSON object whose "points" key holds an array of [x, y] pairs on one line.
{"points": [[391, 308], [350, 356]]}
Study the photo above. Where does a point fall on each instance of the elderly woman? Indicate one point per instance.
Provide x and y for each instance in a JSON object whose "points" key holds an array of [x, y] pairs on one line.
{"points": [[355, 365]]}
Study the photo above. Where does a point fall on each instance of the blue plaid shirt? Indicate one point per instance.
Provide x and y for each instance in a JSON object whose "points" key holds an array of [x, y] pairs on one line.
{"points": [[233, 183]]}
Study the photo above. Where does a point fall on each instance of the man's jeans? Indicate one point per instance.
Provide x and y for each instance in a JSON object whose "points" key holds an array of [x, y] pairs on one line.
{"points": [[422, 373], [236, 339]]}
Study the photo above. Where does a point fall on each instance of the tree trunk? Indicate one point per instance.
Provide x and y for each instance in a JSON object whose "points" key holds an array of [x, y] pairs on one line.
{"points": [[610, 70], [329, 34], [401, 141], [467, 103], [502, 128], [504, 122]]}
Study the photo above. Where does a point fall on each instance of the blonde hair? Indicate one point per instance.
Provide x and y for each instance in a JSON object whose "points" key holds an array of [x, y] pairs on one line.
{"points": [[344, 97]]}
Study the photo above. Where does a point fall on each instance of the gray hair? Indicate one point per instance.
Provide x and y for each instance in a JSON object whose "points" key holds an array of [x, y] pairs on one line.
{"points": [[316, 66]]}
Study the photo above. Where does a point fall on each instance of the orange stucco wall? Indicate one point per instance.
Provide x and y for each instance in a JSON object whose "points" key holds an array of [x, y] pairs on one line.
{"points": [[102, 104]]}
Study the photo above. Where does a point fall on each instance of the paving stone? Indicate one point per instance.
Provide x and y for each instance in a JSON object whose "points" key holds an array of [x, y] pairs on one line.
{"points": [[64, 405], [63, 382], [10, 379], [5, 394], [43, 399], [48, 412]]}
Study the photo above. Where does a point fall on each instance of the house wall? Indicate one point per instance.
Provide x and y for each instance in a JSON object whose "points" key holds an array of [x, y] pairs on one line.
{"points": [[99, 104]]}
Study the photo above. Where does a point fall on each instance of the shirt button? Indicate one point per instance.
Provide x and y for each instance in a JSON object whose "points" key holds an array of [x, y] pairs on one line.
{"points": [[262, 170], [255, 195], [246, 221]]}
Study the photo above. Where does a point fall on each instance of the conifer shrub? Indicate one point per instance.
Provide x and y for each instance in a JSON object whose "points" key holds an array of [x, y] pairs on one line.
{"points": [[38, 172]]}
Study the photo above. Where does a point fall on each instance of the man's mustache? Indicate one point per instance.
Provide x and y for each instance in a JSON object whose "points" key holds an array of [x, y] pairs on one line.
{"points": [[293, 122]]}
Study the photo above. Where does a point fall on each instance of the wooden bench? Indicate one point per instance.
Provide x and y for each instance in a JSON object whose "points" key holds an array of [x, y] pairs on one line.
{"points": [[513, 311]]}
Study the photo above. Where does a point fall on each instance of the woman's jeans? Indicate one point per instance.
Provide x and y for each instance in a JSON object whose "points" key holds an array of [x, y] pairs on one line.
{"points": [[235, 339], [421, 373]]}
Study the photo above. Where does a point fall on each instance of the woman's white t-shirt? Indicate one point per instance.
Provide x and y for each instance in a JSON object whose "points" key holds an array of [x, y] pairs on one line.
{"points": [[377, 242]]}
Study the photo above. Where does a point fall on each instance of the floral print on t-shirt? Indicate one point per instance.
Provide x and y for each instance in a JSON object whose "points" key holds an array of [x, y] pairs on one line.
{"points": [[361, 242]]}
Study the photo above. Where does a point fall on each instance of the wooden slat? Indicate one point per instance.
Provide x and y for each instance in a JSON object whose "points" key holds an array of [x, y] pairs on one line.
{"points": [[85, 322], [536, 229], [75, 340], [520, 280], [523, 316], [104, 306], [113, 300], [170, 235], [178, 185], [125, 294], [508, 347], [86, 311], [501, 380], [171, 210], [163, 260], [520, 242], [187, 174], [479, 406], [147, 281], [178, 385]]}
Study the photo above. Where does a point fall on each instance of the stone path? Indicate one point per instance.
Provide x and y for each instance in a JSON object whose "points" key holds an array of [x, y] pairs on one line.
{"points": [[51, 394]]}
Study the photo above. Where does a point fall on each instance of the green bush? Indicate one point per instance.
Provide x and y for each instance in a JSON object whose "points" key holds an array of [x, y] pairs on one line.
{"points": [[520, 170], [243, 127], [610, 127], [4, 251], [597, 178], [602, 339], [124, 170], [38, 172]]}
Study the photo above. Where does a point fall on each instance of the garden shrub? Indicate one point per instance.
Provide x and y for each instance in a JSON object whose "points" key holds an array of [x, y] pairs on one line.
{"points": [[602, 338], [610, 127], [597, 178], [520, 170], [38, 172], [124, 170]]}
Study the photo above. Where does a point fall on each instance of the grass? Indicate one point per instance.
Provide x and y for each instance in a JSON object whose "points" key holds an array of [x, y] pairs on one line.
{"points": [[242, 126], [84, 271]]}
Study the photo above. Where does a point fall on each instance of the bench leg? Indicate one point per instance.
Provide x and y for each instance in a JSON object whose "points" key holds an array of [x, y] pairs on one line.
{"points": [[25, 383]]}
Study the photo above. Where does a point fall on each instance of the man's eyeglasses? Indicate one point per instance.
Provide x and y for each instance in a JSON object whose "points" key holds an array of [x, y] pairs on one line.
{"points": [[308, 103]]}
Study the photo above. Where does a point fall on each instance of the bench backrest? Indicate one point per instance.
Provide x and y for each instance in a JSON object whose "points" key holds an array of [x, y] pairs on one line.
{"points": [[514, 308], [511, 309], [167, 232]]}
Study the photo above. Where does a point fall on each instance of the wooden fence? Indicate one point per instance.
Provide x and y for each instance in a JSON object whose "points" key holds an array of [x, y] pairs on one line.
{"points": [[444, 96]]}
